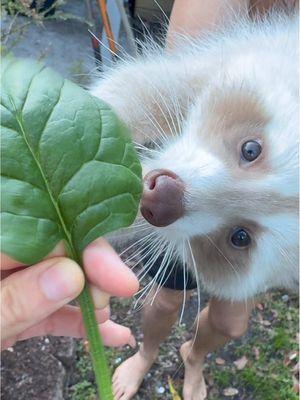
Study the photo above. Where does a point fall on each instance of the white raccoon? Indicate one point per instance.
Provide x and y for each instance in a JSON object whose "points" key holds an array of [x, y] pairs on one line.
{"points": [[223, 113]]}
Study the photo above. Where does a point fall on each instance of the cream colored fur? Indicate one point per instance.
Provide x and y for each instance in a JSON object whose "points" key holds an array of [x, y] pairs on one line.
{"points": [[183, 102]]}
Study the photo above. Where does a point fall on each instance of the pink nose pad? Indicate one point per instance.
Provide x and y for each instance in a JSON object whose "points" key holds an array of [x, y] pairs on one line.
{"points": [[162, 200]]}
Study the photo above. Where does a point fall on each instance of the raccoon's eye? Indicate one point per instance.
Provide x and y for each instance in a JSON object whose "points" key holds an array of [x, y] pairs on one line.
{"points": [[240, 238], [251, 150]]}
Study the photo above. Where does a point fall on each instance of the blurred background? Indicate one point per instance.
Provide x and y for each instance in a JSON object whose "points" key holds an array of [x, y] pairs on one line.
{"points": [[261, 366], [61, 32]]}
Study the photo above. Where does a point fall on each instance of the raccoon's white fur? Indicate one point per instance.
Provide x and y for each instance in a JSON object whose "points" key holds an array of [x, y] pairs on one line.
{"points": [[205, 99]]}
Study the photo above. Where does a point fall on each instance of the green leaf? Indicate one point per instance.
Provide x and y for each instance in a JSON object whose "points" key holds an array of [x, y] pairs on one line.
{"points": [[69, 172]]}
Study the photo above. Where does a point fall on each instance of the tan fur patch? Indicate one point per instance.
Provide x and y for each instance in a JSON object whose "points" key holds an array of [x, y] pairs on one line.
{"points": [[217, 260], [231, 117], [234, 107]]}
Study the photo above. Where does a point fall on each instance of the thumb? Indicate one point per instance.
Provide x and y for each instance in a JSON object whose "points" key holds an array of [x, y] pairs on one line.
{"points": [[30, 295]]}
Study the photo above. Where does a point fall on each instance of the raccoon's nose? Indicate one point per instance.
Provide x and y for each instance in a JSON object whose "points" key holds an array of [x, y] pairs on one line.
{"points": [[162, 199]]}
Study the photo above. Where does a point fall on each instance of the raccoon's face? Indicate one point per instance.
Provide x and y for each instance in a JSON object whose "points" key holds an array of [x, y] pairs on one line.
{"points": [[222, 183], [228, 185]]}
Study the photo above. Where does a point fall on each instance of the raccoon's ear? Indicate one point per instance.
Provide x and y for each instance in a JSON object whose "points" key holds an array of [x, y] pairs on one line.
{"points": [[150, 95]]}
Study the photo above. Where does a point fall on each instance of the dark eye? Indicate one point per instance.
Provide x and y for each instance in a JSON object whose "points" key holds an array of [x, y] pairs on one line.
{"points": [[240, 238], [251, 150]]}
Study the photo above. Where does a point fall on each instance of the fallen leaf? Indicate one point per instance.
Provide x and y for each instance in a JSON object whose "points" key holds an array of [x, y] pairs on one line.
{"points": [[241, 362], [210, 380], [229, 392], [296, 386], [219, 361], [259, 317], [275, 313], [173, 391], [290, 357], [266, 323], [296, 368], [86, 346], [256, 352]]}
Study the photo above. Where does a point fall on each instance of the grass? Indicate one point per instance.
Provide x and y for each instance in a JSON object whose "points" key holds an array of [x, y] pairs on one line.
{"points": [[271, 348], [269, 373]]}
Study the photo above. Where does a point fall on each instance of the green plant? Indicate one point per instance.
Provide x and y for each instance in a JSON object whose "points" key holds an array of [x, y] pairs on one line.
{"points": [[38, 14], [69, 172]]}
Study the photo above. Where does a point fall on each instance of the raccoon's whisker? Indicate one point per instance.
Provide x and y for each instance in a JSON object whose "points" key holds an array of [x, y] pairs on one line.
{"points": [[163, 114], [151, 138], [176, 108], [162, 111], [140, 249], [144, 158], [139, 222], [148, 288], [142, 147], [196, 274], [147, 36], [150, 247], [167, 109], [138, 241], [156, 124], [174, 261], [198, 294], [141, 226], [165, 263], [226, 259], [178, 113], [184, 282], [106, 47], [222, 254], [163, 12], [151, 261], [146, 28], [123, 51], [198, 299]]}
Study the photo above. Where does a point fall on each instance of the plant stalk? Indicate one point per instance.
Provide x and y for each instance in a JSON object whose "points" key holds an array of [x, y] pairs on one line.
{"points": [[101, 369], [96, 348]]}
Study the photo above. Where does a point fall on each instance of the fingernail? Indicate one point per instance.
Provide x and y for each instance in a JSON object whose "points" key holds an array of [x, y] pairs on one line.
{"points": [[100, 298], [62, 281], [132, 342]]}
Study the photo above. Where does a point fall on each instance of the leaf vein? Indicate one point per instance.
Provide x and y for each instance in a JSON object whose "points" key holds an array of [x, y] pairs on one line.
{"points": [[28, 216], [48, 118], [86, 210], [23, 181], [29, 87]]}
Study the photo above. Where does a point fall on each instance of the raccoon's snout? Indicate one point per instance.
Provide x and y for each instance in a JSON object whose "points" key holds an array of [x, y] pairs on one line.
{"points": [[162, 200]]}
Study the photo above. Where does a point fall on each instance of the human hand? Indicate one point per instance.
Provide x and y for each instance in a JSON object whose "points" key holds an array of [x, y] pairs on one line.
{"points": [[34, 299]]}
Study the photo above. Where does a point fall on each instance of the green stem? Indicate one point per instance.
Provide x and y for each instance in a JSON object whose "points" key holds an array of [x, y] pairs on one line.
{"points": [[100, 366], [101, 370]]}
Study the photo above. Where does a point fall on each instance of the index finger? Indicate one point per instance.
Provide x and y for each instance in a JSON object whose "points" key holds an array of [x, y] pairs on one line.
{"points": [[105, 269], [8, 263]]}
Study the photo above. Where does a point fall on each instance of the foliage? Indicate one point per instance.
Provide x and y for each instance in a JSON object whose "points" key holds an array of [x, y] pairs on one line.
{"points": [[69, 172]]}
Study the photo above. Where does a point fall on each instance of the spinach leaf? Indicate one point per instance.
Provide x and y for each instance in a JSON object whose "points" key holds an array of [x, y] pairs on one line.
{"points": [[69, 170]]}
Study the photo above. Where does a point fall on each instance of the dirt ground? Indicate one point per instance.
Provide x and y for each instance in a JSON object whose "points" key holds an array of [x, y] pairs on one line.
{"points": [[261, 366]]}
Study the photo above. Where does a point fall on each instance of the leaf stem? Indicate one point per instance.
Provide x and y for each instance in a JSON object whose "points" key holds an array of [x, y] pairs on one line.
{"points": [[100, 367], [101, 370]]}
